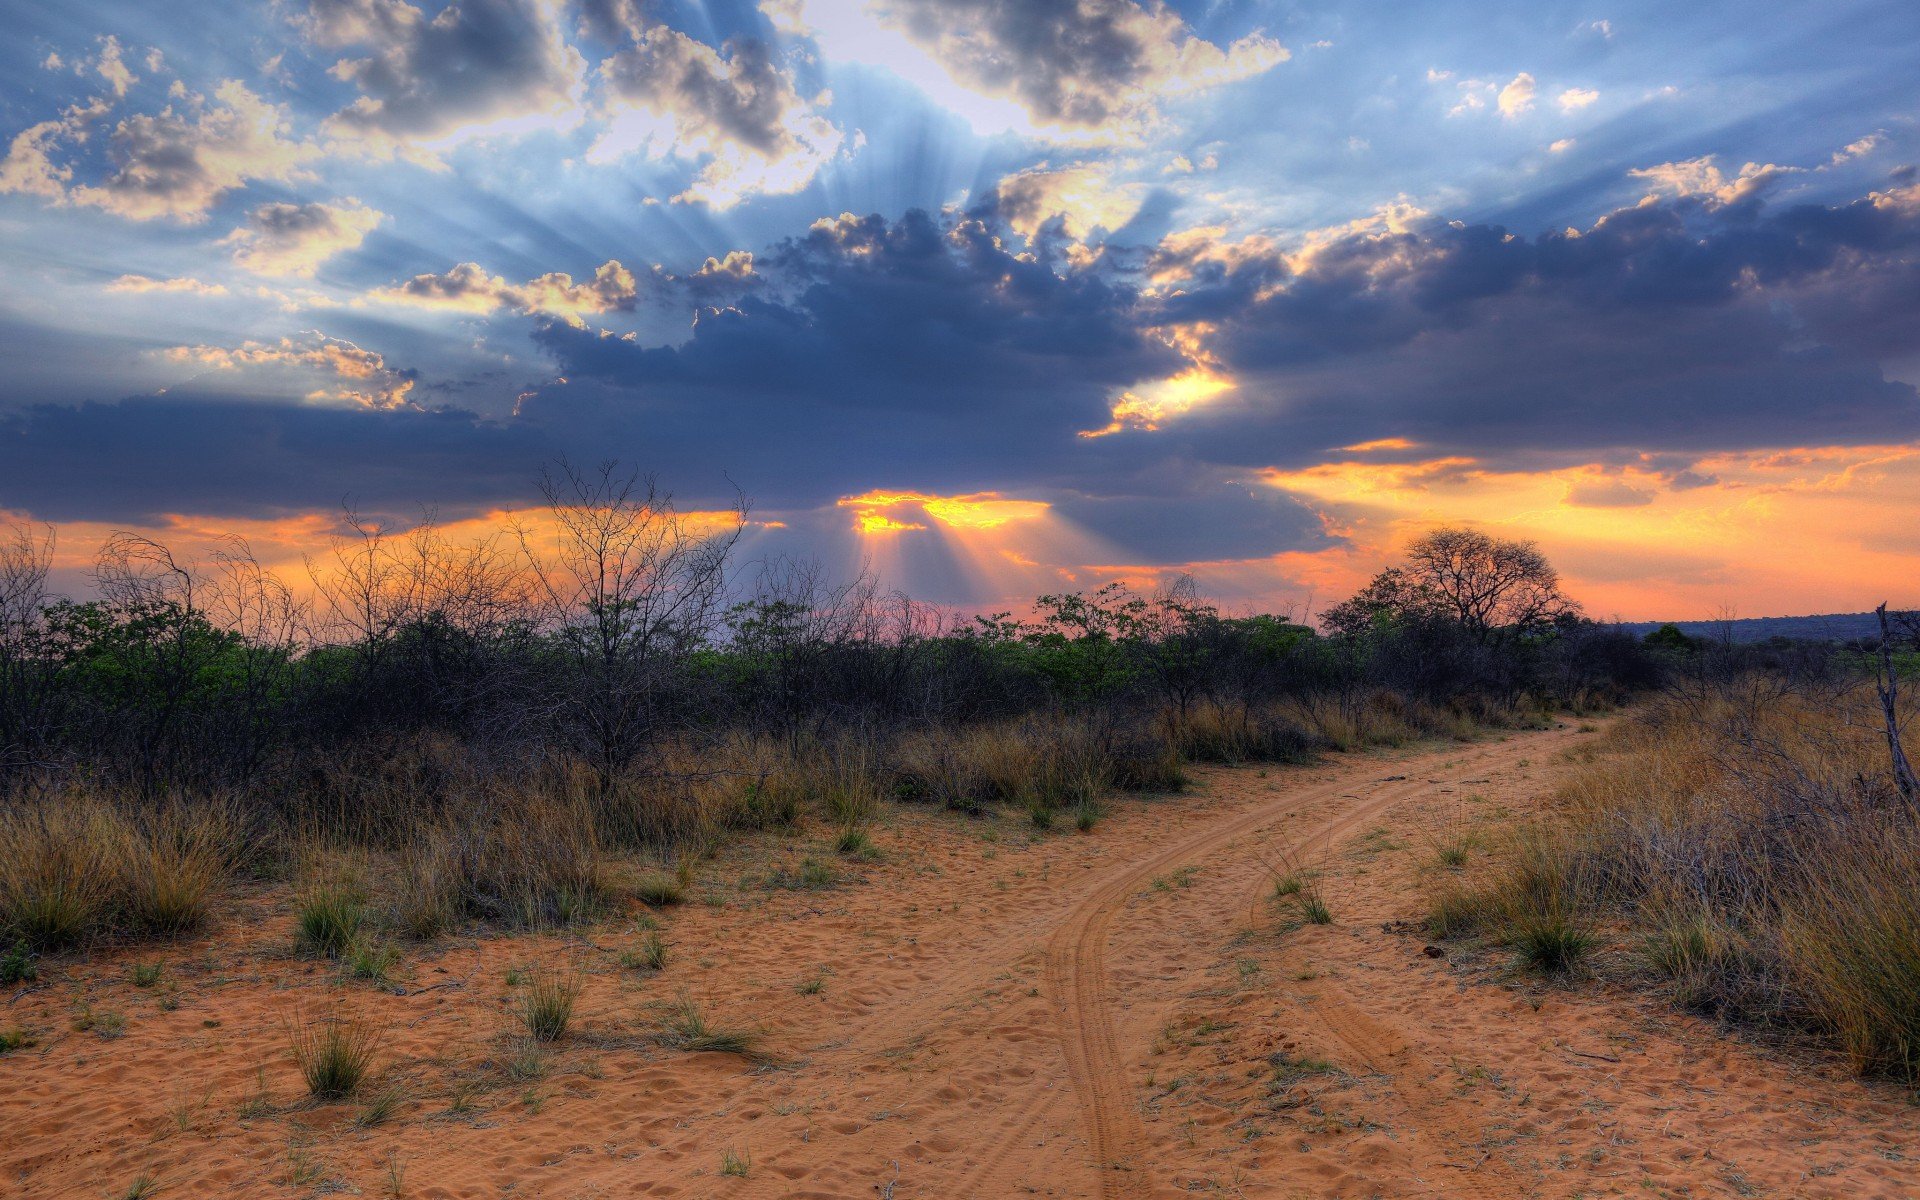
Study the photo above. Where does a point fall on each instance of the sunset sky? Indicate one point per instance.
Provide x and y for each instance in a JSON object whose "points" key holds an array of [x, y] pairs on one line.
{"points": [[998, 296]]}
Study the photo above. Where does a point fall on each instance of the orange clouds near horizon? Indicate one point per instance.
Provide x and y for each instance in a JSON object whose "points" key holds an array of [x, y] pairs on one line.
{"points": [[1781, 532]]}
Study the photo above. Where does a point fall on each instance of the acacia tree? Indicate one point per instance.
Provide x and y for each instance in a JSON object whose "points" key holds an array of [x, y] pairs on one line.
{"points": [[630, 587], [1493, 588]]}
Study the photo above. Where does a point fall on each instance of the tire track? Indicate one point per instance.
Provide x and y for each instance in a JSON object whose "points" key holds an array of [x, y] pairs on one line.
{"points": [[1075, 977]]}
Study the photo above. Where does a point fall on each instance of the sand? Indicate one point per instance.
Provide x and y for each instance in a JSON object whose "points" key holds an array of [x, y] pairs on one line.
{"points": [[988, 1011]]}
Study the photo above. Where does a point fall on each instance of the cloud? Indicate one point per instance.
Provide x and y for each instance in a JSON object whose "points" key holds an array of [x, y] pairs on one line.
{"points": [[177, 163], [294, 239], [324, 368], [30, 169], [1083, 196], [1751, 327], [478, 67], [1517, 97], [1701, 177], [143, 283], [248, 458], [1560, 146], [738, 112], [1076, 64], [110, 66], [1858, 148], [468, 288], [871, 334], [1577, 98]]}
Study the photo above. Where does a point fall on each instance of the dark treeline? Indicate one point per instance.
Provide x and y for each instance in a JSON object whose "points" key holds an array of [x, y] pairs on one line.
{"points": [[615, 631]]}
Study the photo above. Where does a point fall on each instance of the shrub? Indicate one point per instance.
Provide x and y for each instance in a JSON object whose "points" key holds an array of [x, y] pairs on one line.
{"points": [[660, 889], [650, 954], [1552, 940], [427, 885], [1850, 934], [16, 965], [372, 961]]}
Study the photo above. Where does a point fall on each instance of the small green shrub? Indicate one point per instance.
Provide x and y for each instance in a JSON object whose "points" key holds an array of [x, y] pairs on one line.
{"points": [[372, 961], [660, 889], [16, 965], [1552, 940]]}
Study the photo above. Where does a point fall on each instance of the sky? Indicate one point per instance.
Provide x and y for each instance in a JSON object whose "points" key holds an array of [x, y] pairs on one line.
{"points": [[991, 297]]}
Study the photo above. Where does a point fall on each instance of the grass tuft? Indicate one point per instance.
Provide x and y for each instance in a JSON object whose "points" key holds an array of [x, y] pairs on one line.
{"points": [[680, 1025], [334, 1054], [329, 917], [546, 1006]]}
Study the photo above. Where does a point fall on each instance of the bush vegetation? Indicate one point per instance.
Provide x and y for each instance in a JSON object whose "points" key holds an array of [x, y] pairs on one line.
{"points": [[501, 730]]}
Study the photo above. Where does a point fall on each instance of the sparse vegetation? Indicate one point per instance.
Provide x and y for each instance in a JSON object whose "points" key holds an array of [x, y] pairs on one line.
{"points": [[329, 918], [681, 1025], [650, 954], [546, 1004], [334, 1054]]}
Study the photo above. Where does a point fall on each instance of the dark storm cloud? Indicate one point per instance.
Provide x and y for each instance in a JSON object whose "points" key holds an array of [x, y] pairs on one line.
{"points": [[135, 460], [424, 79], [1679, 324], [1197, 519], [935, 353], [920, 352], [1075, 62]]}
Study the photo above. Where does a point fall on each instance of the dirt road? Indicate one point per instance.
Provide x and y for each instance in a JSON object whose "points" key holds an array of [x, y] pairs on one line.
{"points": [[988, 1011]]}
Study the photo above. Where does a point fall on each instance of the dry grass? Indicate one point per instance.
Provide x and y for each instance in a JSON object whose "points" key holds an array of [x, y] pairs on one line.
{"points": [[1216, 732], [681, 1025], [81, 865], [1750, 836]]}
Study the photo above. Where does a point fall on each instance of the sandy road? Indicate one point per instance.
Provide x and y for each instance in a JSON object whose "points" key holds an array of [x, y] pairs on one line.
{"points": [[986, 1011], [1104, 1066]]}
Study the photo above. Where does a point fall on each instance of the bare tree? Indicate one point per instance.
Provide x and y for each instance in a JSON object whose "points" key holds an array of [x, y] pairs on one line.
{"points": [[1887, 684], [28, 682], [629, 587]]}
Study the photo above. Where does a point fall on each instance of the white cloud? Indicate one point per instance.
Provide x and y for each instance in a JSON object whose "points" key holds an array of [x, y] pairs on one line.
{"points": [[345, 371], [294, 239], [1575, 98], [110, 67], [1083, 195], [176, 163], [1701, 177], [737, 113], [183, 285], [1517, 97], [1073, 69]]}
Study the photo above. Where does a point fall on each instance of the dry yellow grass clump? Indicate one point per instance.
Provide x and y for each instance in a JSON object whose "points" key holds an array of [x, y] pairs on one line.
{"points": [[1750, 835]]}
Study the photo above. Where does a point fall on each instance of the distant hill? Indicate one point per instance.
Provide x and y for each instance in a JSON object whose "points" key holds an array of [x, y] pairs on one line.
{"points": [[1830, 627]]}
